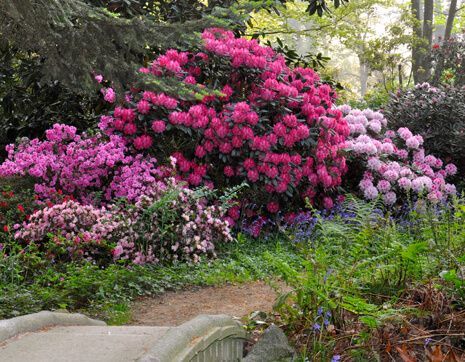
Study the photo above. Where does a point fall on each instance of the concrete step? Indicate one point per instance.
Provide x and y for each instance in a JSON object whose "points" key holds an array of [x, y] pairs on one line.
{"points": [[58, 337]]}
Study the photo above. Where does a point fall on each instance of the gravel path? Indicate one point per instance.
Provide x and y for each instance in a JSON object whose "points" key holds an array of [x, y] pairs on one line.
{"points": [[175, 308]]}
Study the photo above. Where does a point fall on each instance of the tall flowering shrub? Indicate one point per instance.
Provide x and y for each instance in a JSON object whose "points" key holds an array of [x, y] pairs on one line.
{"points": [[393, 163], [259, 121], [438, 115]]}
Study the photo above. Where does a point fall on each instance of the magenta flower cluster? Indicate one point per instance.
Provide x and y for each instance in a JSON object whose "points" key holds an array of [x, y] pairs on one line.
{"points": [[395, 162], [263, 123], [81, 165]]}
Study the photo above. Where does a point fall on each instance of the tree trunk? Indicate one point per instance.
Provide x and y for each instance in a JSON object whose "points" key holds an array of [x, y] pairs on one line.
{"points": [[401, 82], [363, 78], [439, 66], [416, 47], [450, 19], [428, 41]]}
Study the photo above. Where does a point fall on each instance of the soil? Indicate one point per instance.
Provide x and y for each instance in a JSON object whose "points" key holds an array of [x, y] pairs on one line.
{"points": [[175, 308]]}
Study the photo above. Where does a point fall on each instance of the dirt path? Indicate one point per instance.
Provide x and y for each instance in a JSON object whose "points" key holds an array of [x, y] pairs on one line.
{"points": [[174, 308]]}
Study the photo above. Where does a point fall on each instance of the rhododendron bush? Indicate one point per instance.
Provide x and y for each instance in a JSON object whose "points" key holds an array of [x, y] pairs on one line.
{"points": [[171, 224], [82, 166], [438, 115], [394, 163], [269, 125]]}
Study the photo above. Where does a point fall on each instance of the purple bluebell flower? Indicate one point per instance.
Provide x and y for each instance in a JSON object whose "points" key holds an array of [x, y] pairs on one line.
{"points": [[336, 358], [328, 273]]}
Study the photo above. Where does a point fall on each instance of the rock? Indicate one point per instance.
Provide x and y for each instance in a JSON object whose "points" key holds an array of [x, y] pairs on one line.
{"points": [[273, 346]]}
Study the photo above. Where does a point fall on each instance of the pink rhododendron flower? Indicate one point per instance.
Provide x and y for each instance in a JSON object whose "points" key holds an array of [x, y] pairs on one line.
{"points": [[395, 161], [109, 95], [158, 126], [143, 142], [273, 207], [451, 169]]}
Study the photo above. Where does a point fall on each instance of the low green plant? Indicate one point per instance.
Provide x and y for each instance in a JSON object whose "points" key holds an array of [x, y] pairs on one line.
{"points": [[107, 292], [358, 263]]}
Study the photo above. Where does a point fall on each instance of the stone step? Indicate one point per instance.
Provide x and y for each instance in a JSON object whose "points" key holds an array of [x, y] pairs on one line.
{"points": [[58, 337]]}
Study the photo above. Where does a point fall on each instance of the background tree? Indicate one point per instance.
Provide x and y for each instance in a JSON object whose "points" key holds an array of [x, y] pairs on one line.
{"points": [[450, 19]]}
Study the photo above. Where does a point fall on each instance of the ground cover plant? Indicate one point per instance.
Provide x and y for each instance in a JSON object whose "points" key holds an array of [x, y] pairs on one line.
{"points": [[29, 285], [376, 287]]}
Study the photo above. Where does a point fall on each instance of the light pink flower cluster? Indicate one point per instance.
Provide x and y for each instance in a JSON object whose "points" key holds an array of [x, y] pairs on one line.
{"points": [[81, 165], [394, 162], [196, 227], [83, 226], [266, 124], [70, 219], [171, 223]]}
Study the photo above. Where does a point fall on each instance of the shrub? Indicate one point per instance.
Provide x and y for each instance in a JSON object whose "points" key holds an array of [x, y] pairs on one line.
{"points": [[173, 223], [438, 115], [177, 225], [393, 163], [70, 231], [16, 203], [86, 166], [243, 115], [449, 61]]}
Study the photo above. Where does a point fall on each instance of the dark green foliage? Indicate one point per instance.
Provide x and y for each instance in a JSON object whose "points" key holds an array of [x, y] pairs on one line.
{"points": [[321, 6], [75, 39], [162, 10], [438, 114], [449, 62], [28, 106]]}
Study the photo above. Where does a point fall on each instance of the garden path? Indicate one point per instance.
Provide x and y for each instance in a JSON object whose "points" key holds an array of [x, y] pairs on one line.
{"points": [[175, 308]]}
